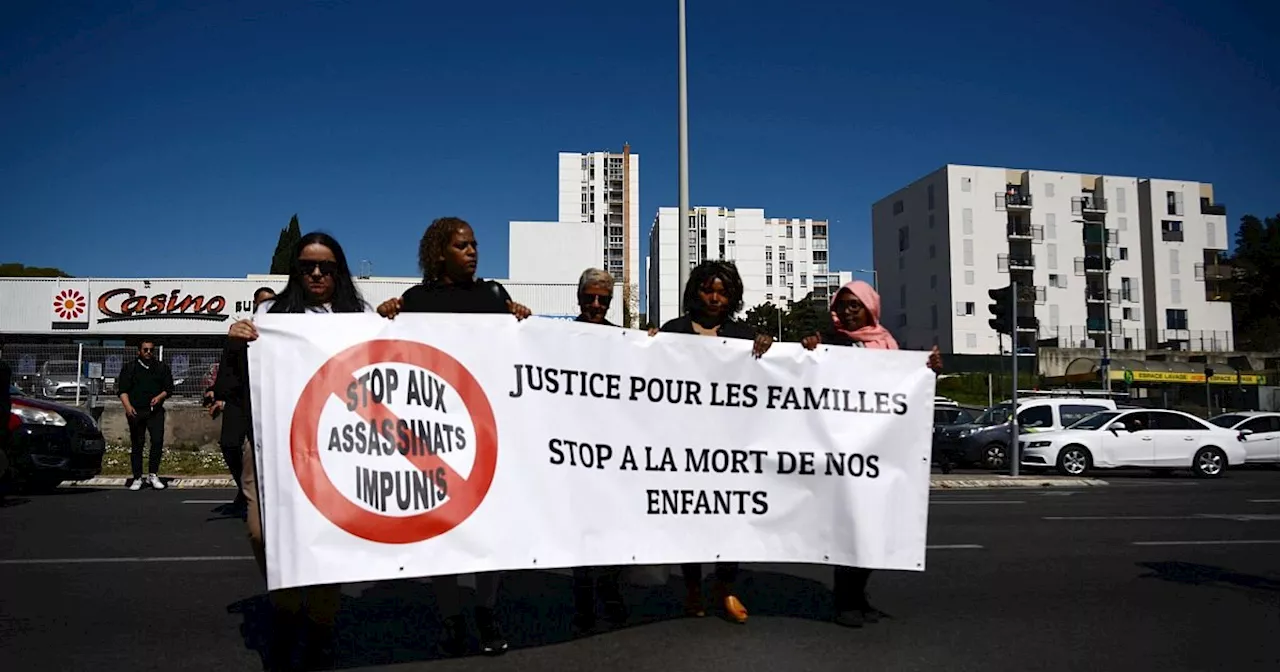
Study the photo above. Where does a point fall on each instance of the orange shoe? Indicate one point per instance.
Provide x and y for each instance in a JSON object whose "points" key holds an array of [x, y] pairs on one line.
{"points": [[734, 609]]}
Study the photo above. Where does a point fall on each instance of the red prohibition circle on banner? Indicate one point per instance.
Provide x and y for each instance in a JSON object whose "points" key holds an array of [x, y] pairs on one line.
{"points": [[464, 496]]}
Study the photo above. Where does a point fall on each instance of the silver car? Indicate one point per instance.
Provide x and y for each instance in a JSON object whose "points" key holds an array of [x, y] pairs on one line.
{"points": [[58, 379]]}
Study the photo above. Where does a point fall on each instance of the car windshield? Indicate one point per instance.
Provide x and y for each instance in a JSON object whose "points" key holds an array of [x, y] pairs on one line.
{"points": [[1228, 421], [15, 391], [60, 369], [1095, 421], [996, 415]]}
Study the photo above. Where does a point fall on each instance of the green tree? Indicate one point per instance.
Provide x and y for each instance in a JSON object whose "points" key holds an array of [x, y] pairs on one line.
{"points": [[282, 260], [16, 270], [1255, 303], [807, 316], [764, 318]]}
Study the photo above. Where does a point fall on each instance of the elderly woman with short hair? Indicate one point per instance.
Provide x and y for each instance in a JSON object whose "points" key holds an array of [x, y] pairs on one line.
{"points": [[595, 293]]}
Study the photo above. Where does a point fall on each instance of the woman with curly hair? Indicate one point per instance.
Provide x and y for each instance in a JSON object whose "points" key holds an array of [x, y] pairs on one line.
{"points": [[447, 255], [711, 299]]}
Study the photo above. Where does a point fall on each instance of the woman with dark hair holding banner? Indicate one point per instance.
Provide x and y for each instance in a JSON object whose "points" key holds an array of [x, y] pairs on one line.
{"points": [[319, 282], [712, 297], [448, 255], [855, 322]]}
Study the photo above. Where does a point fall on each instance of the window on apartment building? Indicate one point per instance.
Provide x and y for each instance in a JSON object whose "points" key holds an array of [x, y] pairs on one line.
{"points": [[1058, 280], [802, 228], [971, 340], [768, 253], [933, 316], [1051, 226], [789, 232], [966, 184], [1053, 315], [1173, 202], [1122, 223], [969, 278], [967, 219], [897, 207], [768, 268], [804, 282], [1174, 261], [929, 191], [819, 230], [1052, 250], [791, 267], [1171, 231], [782, 254], [964, 308], [768, 297], [1126, 313], [1048, 189], [904, 238], [1120, 200], [1175, 290], [1123, 254], [968, 251], [1175, 318], [768, 280], [1211, 234], [933, 251]]}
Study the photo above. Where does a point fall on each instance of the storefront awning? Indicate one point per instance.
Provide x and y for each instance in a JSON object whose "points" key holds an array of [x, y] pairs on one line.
{"points": [[1135, 371]]}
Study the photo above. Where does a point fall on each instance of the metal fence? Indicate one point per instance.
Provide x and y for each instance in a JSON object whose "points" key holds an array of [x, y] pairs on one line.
{"points": [[1092, 336], [76, 373]]}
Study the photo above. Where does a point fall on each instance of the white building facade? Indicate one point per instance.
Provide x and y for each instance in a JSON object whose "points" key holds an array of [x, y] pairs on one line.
{"points": [[780, 260], [1098, 259], [603, 189]]}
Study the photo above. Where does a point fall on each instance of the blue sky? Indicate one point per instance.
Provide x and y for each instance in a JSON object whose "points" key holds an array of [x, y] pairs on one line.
{"points": [[176, 138]]}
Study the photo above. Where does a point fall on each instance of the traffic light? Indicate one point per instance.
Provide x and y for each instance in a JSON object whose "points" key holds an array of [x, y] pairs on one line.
{"points": [[1002, 309]]}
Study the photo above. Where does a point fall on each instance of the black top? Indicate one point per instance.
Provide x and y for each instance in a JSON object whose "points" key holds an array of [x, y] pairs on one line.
{"points": [[605, 323], [833, 337], [730, 329], [142, 382], [481, 296], [232, 383], [6, 379]]}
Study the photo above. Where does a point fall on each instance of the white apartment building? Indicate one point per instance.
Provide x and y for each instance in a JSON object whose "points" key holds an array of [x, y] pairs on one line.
{"points": [[603, 188], [1096, 257], [780, 260]]}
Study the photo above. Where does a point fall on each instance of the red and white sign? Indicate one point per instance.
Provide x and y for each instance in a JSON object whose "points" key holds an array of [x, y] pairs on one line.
{"points": [[444, 444], [70, 305]]}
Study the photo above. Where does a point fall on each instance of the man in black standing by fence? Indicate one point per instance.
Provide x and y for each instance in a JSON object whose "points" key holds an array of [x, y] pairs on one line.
{"points": [[144, 384]]}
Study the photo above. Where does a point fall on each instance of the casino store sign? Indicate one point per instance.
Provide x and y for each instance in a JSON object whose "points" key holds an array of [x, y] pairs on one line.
{"points": [[124, 304], [195, 307]]}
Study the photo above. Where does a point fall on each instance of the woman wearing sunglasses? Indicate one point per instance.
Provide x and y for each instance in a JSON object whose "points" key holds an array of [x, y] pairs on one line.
{"points": [[855, 322], [448, 255], [319, 282]]}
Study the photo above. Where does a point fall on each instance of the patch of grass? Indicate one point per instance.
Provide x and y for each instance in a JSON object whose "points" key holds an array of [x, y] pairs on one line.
{"points": [[176, 462]]}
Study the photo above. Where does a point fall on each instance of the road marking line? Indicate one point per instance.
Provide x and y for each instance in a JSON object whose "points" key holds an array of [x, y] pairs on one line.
{"points": [[1265, 501], [953, 547], [102, 561], [1222, 542], [977, 502], [206, 501]]}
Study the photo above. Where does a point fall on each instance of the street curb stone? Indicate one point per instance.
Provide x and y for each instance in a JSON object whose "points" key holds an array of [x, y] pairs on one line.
{"points": [[936, 482]]}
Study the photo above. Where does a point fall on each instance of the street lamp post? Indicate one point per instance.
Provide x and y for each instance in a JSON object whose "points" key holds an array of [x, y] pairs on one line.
{"points": [[875, 277], [682, 235]]}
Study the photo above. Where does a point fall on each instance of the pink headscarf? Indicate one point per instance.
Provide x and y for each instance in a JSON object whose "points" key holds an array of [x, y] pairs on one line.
{"points": [[871, 336]]}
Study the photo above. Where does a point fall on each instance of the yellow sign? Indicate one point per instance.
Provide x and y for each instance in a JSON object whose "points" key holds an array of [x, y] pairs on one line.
{"points": [[1182, 377]]}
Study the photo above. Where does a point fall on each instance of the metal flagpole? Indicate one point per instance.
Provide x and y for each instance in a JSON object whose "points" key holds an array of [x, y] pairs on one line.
{"points": [[682, 235]]}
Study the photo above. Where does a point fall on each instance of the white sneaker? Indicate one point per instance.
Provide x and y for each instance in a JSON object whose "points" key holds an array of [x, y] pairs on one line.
{"points": [[136, 485], [155, 482]]}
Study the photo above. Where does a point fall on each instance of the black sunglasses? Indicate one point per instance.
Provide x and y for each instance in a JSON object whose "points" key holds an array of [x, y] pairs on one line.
{"points": [[588, 299], [309, 267]]}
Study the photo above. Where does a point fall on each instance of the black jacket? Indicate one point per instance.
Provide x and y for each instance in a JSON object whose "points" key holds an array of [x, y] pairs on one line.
{"points": [[142, 383], [481, 296], [730, 329], [232, 384]]}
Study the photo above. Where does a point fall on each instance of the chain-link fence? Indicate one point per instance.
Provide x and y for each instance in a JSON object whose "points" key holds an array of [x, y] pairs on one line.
{"points": [[81, 373]]}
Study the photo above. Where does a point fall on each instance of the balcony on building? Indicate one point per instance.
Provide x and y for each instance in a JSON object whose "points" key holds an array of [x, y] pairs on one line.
{"points": [[1015, 262], [1088, 204], [1025, 231], [819, 231], [1028, 323], [1014, 197], [1207, 208], [1171, 231], [1096, 325], [1097, 235], [1092, 264]]}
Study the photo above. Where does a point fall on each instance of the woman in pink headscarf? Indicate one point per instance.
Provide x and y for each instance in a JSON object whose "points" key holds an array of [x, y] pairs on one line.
{"points": [[855, 321]]}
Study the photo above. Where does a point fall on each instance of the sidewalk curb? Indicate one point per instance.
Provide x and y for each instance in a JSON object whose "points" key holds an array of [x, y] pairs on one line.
{"points": [[960, 483], [936, 483]]}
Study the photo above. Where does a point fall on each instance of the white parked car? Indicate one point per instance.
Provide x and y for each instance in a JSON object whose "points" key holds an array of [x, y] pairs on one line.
{"points": [[1259, 433], [1138, 438]]}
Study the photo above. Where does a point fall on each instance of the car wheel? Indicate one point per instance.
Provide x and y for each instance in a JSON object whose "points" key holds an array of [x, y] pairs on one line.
{"points": [[1074, 461], [995, 456], [1209, 462]]}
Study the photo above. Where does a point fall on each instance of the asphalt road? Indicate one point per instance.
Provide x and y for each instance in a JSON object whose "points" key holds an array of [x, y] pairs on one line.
{"points": [[1151, 573]]}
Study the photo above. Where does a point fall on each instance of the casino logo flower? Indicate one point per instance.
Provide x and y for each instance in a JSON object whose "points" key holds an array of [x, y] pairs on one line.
{"points": [[69, 304]]}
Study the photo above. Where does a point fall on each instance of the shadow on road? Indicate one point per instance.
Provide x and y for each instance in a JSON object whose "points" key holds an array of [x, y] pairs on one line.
{"points": [[395, 622], [1192, 574]]}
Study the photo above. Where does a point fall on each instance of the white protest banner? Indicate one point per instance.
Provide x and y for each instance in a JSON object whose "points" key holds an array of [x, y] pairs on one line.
{"points": [[444, 444]]}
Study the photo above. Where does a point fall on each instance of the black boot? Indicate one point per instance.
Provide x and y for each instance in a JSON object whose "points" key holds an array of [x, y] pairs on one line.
{"points": [[492, 643]]}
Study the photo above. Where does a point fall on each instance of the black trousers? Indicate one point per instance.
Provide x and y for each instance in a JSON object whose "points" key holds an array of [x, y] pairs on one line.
{"points": [[726, 575], [237, 426], [146, 422], [851, 588], [588, 580]]}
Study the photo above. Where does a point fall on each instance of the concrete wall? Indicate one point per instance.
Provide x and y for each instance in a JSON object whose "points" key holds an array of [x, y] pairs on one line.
{"points": [[185, 426], [1054, 361]]}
